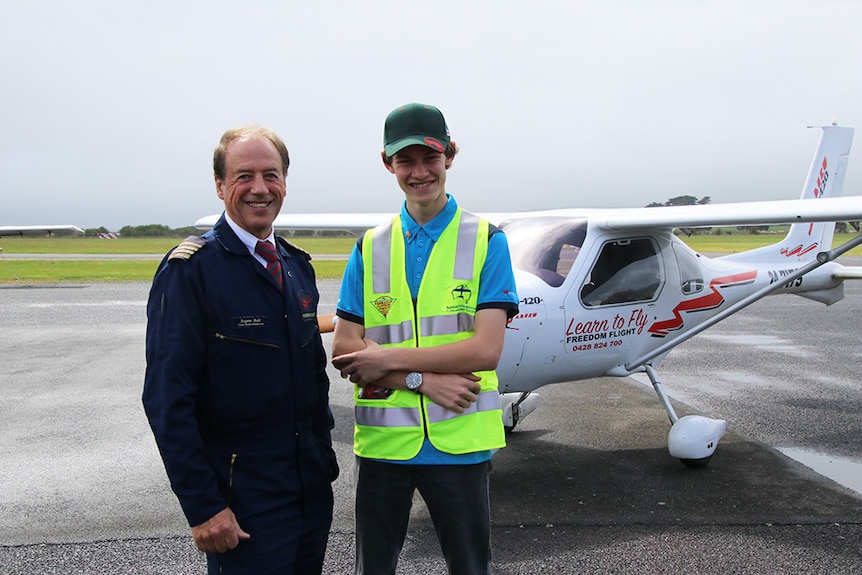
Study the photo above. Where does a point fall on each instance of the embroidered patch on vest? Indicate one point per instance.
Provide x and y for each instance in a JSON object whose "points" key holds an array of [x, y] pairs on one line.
{"points": [[461, 296], [463, 293], [383, 304]]}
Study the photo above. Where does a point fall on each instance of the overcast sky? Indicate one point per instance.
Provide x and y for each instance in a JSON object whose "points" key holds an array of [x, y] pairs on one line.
{"points": [[110, 110]]}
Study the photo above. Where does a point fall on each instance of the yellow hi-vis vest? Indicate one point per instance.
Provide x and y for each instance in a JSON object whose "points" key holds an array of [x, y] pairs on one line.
{"points": [[395, 427]]}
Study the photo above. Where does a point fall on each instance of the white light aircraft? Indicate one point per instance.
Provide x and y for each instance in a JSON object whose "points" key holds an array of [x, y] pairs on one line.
{"points": [[611, 292], [40, 231]]}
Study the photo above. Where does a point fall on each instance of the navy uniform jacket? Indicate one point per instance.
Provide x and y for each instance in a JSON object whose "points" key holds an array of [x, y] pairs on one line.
{"points": [[236, 390]]}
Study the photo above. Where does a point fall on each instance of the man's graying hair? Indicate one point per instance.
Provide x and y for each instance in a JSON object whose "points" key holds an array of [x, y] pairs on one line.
{"points": [[237, 133]]}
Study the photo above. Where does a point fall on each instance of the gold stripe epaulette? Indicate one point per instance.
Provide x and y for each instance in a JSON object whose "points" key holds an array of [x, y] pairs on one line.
{"points": [[188, 248]]}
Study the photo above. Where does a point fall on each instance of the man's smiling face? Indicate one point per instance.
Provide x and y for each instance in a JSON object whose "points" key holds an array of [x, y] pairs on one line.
{"points": [[253, 188]]}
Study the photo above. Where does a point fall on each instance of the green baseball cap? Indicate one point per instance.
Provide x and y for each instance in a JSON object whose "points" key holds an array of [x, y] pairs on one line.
{"points": [[412, 124]]}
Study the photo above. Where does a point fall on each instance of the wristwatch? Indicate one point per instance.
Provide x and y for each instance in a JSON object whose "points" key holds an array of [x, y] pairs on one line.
{"points": [[413, 380]]}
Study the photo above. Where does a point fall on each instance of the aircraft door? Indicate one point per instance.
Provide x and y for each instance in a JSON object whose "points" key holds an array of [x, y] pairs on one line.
{"points": [[609, 308]]}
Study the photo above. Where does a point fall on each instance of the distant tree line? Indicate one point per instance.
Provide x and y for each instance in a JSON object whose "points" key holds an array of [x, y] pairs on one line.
{"points": [[682, 201], [686, 201], [147, 231]]}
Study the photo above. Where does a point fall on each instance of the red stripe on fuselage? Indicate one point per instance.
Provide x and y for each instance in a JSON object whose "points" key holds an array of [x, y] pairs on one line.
{"points": [[709, 301]]}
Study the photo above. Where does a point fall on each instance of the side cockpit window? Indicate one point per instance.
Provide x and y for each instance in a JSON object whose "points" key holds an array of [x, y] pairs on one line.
{"points": [[545, 246], [690, 273], [626, 271]]}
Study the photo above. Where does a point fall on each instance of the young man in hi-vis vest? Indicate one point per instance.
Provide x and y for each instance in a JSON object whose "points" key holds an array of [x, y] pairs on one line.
{"points": [[421, 319]]}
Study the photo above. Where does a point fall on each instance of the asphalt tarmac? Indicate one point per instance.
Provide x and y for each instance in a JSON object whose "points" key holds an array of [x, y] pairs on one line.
{"points": [[585, 485]]}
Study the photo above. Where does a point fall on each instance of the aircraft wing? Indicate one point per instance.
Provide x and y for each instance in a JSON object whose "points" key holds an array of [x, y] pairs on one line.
{"points": [[40, 231], [322, 221], [840, 209], [357, 221]]}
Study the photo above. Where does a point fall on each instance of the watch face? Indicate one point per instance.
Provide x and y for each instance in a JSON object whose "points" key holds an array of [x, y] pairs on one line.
{"points": [[414, 380]]}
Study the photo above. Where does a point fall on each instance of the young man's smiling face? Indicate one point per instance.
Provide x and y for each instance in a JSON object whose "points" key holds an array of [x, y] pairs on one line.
{"points": [[253, 188], [421, 175]]}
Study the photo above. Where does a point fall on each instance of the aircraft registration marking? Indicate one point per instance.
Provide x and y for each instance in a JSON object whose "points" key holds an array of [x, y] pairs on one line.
{"points": [[778, 275]]}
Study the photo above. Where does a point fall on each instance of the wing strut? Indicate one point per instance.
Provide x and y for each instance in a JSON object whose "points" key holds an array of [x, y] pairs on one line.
{"points": [[659, 389]]}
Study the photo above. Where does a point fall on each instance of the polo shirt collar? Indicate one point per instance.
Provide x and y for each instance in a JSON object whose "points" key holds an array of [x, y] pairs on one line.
{"points": [[433, 228]]}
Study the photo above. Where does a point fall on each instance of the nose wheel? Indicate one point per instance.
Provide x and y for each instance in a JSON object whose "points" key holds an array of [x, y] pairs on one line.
{"points": [[692, 439]]}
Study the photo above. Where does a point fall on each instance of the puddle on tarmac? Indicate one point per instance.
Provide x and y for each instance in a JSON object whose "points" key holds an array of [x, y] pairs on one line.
{"points": [[842, 470]]}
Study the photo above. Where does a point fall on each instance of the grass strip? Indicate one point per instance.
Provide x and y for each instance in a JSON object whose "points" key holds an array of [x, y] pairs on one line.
{"points": [[81, 271], [125, 246]]}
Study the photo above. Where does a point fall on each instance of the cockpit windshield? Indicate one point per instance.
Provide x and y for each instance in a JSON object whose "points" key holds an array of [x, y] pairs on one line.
{"points": [[545, 246]]}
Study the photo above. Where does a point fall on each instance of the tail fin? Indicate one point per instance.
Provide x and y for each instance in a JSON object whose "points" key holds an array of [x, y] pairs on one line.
{"points": [[825, 180]]}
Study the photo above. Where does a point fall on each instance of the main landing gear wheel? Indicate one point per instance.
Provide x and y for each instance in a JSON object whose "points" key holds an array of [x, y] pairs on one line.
{"points": [[517, 406]]}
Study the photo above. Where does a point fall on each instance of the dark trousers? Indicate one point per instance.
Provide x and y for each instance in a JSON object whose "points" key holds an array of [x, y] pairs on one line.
{"points": [[457, 497], [286, 508]]}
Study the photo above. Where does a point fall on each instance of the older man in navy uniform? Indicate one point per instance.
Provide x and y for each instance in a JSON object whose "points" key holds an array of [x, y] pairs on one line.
{"points": [[236, 390]]}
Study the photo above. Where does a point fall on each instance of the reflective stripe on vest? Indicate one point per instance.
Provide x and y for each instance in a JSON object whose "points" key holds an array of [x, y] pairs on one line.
{"points": [[488, 401], [391, 334], [445, 324], [409, 416], [389, 416], [428, 326]]}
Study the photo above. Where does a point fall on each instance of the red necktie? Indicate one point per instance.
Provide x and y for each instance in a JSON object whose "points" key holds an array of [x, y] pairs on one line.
{"points": [[267, 251]]}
